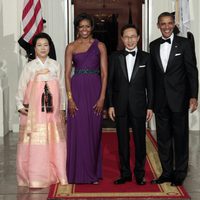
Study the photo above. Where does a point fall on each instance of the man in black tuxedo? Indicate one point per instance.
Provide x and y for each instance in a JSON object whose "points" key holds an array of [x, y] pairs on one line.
{"points": [[130, 99], [176, 91]]}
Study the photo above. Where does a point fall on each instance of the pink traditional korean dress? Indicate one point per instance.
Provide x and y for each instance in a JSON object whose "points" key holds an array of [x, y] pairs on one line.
{"points": [[41, 150]]}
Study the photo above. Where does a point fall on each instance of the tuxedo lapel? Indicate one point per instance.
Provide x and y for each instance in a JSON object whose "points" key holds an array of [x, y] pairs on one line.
{"points": [[172, 53], [157, 53], [122, 61]]}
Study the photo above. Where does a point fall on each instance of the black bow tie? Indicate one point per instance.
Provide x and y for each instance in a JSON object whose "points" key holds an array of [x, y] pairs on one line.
{"points": [[129, 52], [167, 40]]}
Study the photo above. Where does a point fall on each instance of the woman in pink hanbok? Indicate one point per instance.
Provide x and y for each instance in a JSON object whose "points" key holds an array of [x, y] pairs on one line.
{"points": [[41, 150]]}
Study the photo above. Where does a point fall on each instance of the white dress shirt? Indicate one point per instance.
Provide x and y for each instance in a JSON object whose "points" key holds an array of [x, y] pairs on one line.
{"points": [[165, 49], [130, 62], [56, 72]]}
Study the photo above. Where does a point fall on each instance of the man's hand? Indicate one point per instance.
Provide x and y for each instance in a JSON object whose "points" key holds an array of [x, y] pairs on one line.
{"points": [[149, 115], [193, 104], [111, 113]]}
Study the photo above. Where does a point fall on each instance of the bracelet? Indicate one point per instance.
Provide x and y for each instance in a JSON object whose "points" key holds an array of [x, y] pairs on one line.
{"points": [[69, 95]]}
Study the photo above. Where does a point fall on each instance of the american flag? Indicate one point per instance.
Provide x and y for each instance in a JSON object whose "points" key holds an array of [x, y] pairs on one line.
{"points": [[31, 19]]}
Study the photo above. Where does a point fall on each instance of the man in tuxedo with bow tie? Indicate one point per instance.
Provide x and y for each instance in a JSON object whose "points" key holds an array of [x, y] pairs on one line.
{"points": [[176, 91], [130, 99]]}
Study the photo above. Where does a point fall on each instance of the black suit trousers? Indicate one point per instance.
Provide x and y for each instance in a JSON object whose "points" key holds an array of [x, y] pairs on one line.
{"points": [[138, 126], [173, 145]]}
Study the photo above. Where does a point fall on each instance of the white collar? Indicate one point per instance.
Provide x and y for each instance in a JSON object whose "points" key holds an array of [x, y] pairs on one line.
{"points": [[38, 60], [131, 50]]}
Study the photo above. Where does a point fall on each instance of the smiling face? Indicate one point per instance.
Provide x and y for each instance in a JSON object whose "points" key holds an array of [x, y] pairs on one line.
{"points": [[42, 48], [84, 28], [130, 38], [166, 25]]}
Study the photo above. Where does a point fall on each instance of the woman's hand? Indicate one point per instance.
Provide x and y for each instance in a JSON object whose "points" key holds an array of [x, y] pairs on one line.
{"points": [[72, 107], [23, 111], [98, 107], [63, 116]]}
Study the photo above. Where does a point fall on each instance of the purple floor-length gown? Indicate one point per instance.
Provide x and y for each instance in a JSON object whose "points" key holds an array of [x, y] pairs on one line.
{"points": [[84, 130]]}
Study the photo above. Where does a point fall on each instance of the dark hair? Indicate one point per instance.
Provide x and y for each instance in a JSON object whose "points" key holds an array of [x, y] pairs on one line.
{"points": [[166, 14], [83, 16], [129, 26], [52, 53]]}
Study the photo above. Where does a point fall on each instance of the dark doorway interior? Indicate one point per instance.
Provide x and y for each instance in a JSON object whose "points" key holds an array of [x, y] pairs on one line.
{"points": [[106, 30], [110, 16]]}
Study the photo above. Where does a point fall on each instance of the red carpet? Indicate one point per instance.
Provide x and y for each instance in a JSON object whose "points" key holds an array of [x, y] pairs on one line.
{"points": [[107, 190]]}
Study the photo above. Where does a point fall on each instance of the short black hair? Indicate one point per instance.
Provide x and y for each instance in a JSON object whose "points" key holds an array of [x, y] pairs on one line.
{"points": [[129, 26], [166, 14], [42, 35], [83, 16]]}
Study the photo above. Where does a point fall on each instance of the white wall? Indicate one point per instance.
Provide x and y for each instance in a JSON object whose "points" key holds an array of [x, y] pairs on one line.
{"points": [[195, 29], [13, 57], [9, 25]]}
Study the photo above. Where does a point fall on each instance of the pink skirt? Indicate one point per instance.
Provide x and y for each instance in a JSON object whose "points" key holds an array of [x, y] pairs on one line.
{"points": [[41, 150]]}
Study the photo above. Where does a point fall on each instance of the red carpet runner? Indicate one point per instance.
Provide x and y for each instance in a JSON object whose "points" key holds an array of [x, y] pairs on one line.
{"points": [[107, 190]]}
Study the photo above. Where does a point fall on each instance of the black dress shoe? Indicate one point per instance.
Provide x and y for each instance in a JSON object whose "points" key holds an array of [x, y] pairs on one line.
{"points": [[177, 182], [140, 181], [122, 180], [161, 180]]}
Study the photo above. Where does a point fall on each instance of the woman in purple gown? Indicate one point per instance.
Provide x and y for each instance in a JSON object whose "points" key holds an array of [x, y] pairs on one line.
{"points": [[86, 93]]}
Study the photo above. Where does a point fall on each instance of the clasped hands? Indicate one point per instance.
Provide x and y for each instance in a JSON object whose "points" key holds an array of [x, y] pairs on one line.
{"points": [[42, 71]]}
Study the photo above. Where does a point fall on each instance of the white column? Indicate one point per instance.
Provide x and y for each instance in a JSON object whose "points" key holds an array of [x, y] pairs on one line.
{"points": [[4, 103], [70, 21], [145, 25]]}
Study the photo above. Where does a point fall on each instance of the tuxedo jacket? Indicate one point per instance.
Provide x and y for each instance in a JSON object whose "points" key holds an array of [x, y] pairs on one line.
{"points": [[133, 96], [180, 81]]}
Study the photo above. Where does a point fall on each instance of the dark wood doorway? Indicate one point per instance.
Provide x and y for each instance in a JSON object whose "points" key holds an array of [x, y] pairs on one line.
{"points": [[110, 16]]}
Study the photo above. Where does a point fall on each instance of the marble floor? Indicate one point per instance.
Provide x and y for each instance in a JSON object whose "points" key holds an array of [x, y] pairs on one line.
{"points": [[10, 191]]}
